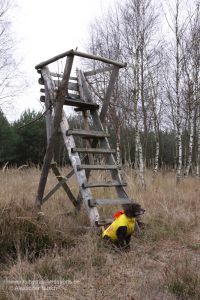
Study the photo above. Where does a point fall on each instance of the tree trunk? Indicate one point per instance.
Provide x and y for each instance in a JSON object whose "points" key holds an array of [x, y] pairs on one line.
{"points": [[191, 138]]}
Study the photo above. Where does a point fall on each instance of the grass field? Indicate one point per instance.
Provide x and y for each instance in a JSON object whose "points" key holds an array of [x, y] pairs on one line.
{"points": [[57, 255]]}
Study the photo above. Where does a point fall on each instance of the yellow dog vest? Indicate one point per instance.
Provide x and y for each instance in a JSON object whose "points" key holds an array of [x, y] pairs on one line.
{"points": [[123, 220]]}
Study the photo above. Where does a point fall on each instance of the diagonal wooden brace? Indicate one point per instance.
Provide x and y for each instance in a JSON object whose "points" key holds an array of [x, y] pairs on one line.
{"points": [[61, 181], [64, 185], [56, 122]]}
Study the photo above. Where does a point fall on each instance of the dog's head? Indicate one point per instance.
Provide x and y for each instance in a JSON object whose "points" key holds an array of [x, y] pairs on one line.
{"points": [[134, 210]]}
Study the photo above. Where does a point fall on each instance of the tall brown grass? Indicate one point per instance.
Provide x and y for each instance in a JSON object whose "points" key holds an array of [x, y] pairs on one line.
{"points": [[58, 256]]}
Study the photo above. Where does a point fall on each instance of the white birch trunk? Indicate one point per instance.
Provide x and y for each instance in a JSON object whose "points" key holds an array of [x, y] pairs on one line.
{"points": [[155, 171], [179, 150], [140, 169], [198, 144], [191, 138]]}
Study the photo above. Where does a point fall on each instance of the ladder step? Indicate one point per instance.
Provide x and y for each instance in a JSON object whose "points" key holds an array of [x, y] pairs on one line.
{"points": [[81, 104], [97, 167], [93, 150], [87, 133], [76, 103], [95, 202], [103, 184]]}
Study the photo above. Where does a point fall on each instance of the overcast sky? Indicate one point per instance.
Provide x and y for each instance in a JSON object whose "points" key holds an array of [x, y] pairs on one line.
{"points": [[45, 28]]}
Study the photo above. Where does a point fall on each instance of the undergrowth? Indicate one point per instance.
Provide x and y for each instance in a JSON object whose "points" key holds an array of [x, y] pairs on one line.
{"points": [[60, 245]]}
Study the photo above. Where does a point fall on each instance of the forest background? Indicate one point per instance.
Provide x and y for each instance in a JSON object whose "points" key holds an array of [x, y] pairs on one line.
{"points": [[154, 114]]}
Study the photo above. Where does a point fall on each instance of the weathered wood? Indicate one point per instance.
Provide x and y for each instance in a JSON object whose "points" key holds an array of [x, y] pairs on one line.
{"points": [[41, 81], [81, 176], [81, 54], [95, 202], [58, 185], [109, 91], [56, 122], [71, 101], [97, 71], [64, 185], [73, 96], [93, 150], [85, 108], [81, 105], [87, 133], [103, 184], [57, 75], [98, 126], [71, 85], [97, 167], [76, 103], [49, 117], [68, 95]]}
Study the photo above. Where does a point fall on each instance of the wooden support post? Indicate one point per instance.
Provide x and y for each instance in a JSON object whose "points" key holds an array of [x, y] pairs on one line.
{"points": [[56, 122], [48, 118], [109, 91]]}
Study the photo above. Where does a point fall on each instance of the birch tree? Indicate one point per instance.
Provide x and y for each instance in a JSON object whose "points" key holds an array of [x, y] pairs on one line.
{"points": [[177, 26], [139, 21], [11, 82]]}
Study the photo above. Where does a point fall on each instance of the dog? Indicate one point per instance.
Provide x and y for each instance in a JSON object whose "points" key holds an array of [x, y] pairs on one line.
{"points": [[120, 231]]}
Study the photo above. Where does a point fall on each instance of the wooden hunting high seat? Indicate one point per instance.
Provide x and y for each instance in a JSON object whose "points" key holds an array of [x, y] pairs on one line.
{"points": [[75, 92]]}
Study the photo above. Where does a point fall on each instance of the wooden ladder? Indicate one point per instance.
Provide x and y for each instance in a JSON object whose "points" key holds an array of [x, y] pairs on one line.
{"points": [[94, 138]]}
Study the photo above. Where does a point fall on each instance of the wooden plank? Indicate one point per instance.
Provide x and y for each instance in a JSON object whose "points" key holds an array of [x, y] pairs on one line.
{"points": [[81, 105], [71, 85], [50, 87], [57, 75], [81, 54], [68, 95], [87, 133], [76, 103], [73, 96], [104, 184], [109, 91], [85, 108], [97, 71], [97, 167], [95, 202], [93, 150]]}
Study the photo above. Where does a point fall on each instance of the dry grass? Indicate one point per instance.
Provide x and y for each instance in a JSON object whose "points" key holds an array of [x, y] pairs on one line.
{"points": [[56, 256]]}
